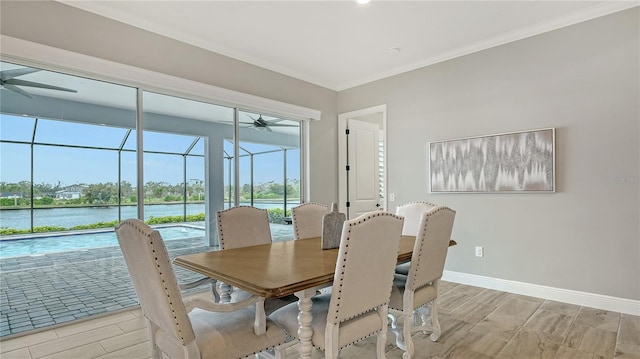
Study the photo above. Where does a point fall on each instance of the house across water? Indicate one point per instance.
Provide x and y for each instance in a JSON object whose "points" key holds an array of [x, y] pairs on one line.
{"points": [[71, 192]]}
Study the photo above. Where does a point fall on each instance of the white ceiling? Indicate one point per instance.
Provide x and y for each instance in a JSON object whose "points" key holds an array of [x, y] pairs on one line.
{"points": [[341, 44]]}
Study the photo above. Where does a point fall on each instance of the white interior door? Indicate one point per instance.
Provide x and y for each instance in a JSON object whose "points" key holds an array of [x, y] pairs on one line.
{"points": [[363, 175], [368, 180]]}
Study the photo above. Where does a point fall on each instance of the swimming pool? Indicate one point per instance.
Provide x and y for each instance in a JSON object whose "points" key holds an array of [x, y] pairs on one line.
{"points": [[70, 242]]}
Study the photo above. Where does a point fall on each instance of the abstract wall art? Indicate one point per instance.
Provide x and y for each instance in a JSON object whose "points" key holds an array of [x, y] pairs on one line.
{"points": [[518, 162]]}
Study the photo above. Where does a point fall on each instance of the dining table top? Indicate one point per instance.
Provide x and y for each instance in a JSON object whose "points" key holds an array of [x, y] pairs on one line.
{"points": [[276, 269]]}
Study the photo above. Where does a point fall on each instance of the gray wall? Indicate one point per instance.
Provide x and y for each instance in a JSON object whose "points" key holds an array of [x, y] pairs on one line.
{"points": [[68, 28], [584, 81]]}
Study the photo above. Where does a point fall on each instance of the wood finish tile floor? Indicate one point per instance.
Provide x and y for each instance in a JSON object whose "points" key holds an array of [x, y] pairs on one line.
{"points": [[477, 323]]}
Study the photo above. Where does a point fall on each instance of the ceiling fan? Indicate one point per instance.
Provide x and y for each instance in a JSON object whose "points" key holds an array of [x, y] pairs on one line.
{"points": [[9, 82], [262, 124]]}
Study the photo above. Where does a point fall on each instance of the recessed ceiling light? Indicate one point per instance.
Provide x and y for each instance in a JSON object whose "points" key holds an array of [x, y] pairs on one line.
{"points": [[362, 2]]}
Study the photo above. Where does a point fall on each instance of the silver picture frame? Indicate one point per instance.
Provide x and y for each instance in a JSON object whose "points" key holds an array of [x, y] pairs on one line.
{"points": [[512, 162]]}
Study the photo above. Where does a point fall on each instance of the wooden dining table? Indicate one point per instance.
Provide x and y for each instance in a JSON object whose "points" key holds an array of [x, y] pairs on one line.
{"points": [[279, 269]]}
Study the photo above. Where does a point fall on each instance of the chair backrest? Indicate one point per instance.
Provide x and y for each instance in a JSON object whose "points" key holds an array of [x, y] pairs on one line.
{"points": [[154, 279], [430, 249], [243, 226], [412, 212], [307, 220], [365, 267]]}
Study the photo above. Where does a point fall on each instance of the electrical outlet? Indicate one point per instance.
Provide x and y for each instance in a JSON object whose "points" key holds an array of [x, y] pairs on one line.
{"points": [[392, 197], [479, 251]]}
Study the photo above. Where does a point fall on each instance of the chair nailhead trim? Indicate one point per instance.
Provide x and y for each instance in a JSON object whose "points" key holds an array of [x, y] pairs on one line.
{"points": [[419, 202], [153, 249], [424, 233], [267, 348], [346, 249], [219, 216], [293, 214]]}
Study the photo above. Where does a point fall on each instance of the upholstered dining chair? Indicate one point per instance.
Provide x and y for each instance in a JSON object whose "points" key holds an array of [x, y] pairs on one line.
{"points": [[412, 212], [420, 286], [357, 305], [194, 328], [245, 226], [307, 223], [307, 220], [238, 227]]}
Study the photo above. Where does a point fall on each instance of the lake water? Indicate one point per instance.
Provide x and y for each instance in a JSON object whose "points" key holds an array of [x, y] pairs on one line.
{"points": [[70, 217]]}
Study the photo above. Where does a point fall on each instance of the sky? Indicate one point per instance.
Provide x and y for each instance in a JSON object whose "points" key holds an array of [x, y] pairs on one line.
{"points": [[53, 164]]}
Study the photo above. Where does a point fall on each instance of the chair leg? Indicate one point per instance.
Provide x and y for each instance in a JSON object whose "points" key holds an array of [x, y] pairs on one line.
{"points": [[381, 344], [406, 329], [260, 321], [397, 332], [156, 353], [215, 296], [422, 313], [382, 335], [331, 343], [434, 321]]}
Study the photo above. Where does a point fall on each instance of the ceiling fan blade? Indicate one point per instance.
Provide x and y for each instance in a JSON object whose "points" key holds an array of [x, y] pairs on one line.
{"points": [[268, 129], [9, 74], [36, 84], [260, 128], [16, 90], [282, 125]]}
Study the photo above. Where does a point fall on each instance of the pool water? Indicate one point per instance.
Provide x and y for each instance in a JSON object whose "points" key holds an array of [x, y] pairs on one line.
{"points": [[71, 242]]}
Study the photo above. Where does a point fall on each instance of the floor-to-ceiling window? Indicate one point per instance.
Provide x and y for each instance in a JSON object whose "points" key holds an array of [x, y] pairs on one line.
{"points": [[273, 146], [267, 158], [15, 172], [60, 140], [79, 162], [70, 163]]}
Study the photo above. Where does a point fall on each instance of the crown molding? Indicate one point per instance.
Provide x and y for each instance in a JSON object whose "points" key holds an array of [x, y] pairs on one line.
{"points": [[591, 13], [598, 10]]}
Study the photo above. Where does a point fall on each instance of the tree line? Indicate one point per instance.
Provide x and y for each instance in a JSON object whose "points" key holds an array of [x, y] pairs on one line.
{"points": [[44, 194]]}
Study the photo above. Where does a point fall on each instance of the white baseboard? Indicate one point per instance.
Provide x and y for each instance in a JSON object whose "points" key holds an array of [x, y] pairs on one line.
{"points": [[622, 305]]}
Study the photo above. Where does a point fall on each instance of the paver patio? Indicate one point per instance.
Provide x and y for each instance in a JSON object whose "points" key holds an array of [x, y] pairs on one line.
{"points": [[50, 289]]}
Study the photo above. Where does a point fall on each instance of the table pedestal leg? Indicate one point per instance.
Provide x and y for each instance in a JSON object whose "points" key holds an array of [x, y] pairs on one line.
{"points": [[304, 322], [225, 293]]}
